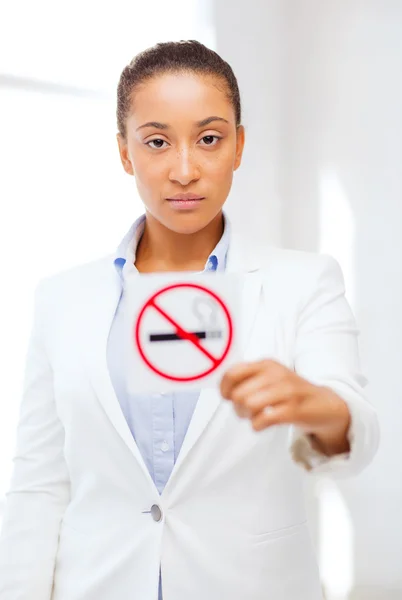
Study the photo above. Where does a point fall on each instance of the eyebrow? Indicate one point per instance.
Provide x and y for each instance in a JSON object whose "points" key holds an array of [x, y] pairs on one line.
{"points": [[202, 123], [209, 120]]}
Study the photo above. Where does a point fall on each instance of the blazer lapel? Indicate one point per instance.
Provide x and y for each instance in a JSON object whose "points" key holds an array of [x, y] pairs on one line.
{"points": [[241, 260], [98, 321], [207, 405], [244, 259]]}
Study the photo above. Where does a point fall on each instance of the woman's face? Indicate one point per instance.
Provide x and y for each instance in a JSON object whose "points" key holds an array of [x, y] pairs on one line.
{"points": [[182, 139]]}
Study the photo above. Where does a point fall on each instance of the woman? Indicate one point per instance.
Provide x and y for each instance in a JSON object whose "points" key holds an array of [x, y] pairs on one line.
{"points": [[117, 496]]}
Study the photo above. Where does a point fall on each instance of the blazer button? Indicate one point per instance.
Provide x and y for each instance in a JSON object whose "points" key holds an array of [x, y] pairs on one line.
{"points": [[156, 513]]}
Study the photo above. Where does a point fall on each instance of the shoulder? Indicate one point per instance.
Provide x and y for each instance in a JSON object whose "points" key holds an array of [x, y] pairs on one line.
{"points": [[75, 279], [289, 271], [301, 282], [285, 261], [297, 262]]}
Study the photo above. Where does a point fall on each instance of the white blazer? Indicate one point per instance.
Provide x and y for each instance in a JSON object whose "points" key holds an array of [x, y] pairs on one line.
{"points": [[77, 524]]}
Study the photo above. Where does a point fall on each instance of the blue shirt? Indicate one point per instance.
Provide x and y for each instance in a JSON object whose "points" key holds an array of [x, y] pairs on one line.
{"points": [[158, 422]]}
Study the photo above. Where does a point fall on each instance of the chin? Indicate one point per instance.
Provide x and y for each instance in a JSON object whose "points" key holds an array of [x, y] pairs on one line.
{"points": [[189, 221], [186, 226]]}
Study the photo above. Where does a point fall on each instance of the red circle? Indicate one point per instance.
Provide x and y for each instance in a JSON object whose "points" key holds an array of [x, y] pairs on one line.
{"points": [[149, 303]]}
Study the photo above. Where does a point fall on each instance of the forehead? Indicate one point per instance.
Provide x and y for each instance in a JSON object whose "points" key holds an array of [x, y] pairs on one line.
{"points": [[170, 96]]}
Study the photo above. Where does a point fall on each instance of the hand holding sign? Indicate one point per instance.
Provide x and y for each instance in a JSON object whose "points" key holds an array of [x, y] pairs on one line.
{"points": [[268, 393]]}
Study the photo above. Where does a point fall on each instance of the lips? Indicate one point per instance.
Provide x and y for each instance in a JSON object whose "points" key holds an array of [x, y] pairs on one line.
{"points": [[185, 201], [185, 197]]}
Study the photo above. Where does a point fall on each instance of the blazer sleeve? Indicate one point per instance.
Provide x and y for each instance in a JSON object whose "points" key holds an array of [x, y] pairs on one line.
{"points": [[326, 354], [39, 491]]}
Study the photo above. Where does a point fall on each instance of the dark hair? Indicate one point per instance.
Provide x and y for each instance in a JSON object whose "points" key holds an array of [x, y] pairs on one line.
{"points": [[173, 57]]}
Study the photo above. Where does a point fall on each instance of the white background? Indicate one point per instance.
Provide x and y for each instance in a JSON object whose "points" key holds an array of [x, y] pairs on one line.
{"points": [[322, 90]]}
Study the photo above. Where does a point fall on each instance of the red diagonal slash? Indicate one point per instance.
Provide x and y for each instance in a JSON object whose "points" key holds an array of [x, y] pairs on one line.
{"points": [[185, 335]]}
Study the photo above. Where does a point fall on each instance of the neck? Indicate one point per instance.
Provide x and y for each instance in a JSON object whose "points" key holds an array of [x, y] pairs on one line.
{"points": [[161, 249]]}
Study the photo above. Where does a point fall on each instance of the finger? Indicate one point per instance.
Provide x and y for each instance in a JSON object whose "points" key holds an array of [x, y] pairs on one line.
{"points": [[241, 412], [242, 392], [284, 391], [259, 395], [243, 371], [236, 375], [262, 399], [269, 416]]}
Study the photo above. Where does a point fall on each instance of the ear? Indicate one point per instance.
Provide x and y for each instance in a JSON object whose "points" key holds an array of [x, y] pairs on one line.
{"points": [[240, 139], [124, 156]]}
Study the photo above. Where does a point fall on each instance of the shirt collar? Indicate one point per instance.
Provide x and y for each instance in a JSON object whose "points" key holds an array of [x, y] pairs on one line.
{"points": [[124, 258]]}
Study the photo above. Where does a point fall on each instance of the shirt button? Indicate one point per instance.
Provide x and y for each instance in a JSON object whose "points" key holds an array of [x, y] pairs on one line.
{"points": [[165, 447], [156, 513]]}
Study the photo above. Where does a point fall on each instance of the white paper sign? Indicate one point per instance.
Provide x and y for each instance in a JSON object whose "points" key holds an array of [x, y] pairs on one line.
{"points": [[182, 330]]}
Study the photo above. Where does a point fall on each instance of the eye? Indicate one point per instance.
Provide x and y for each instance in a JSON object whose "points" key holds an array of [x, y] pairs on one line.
{"points": [[209, 140], [158, 143]]}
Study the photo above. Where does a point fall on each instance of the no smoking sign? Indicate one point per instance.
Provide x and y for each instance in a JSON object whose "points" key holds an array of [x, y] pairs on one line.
{"points": [[182, 333]]}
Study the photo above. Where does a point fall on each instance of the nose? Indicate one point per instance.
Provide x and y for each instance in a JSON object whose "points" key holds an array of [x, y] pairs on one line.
{"points": [[184, 168]]}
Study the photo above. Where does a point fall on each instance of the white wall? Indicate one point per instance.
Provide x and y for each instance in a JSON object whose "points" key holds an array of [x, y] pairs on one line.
{"points": [[349, 59], [325, 98], [248, 37]]}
